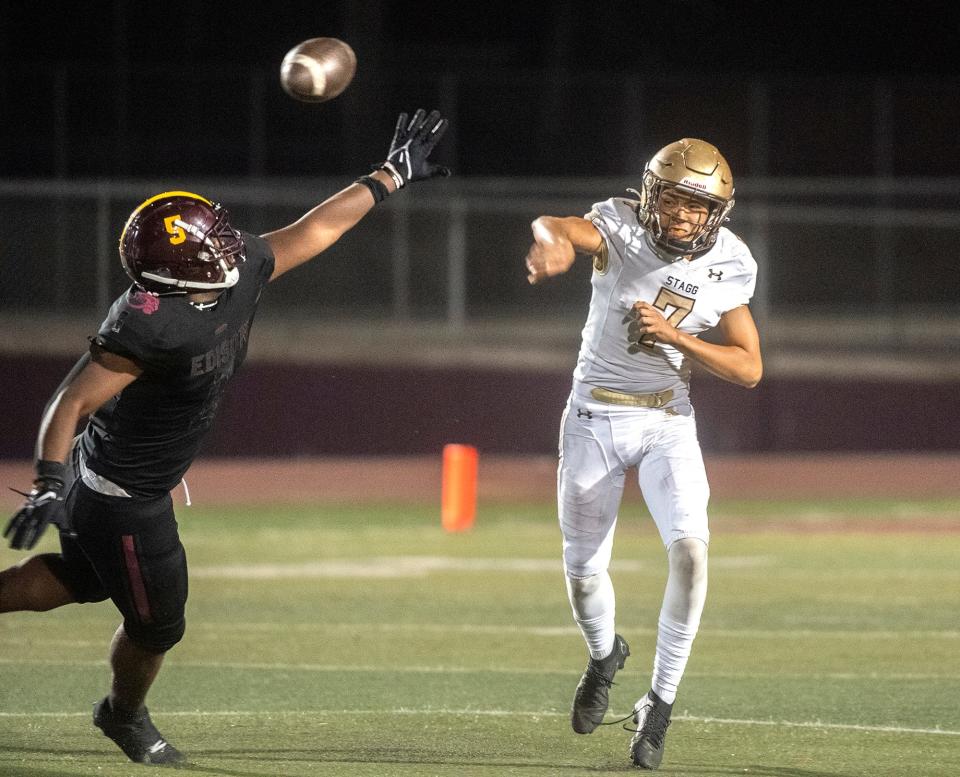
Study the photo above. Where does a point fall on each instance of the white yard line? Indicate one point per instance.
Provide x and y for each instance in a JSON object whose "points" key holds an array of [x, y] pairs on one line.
{"points": [[563, 631], [819, 725], [421, 566], [266, 714], [208, 629], [440, 669]]}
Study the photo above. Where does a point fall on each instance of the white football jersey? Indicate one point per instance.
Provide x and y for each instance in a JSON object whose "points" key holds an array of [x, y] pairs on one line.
{"points": [[692, 295]]}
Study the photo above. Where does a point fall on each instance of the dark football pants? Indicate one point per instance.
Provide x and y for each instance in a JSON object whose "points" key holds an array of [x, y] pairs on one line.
{"points": [[127, 550]]}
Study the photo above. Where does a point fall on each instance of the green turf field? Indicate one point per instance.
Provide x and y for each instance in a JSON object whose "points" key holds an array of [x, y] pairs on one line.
{"points": [[363, 641]]}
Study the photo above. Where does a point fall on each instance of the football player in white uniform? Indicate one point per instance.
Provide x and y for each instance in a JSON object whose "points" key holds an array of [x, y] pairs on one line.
{"points": [[665, 269]]}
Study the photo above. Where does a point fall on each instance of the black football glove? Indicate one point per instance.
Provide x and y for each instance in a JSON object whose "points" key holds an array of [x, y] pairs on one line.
{"points": [[44, 506], [412, 143]]}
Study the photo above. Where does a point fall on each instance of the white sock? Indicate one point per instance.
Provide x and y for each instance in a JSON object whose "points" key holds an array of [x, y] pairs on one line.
{"points": [[683, 602], [594, 608], [674, 641]]}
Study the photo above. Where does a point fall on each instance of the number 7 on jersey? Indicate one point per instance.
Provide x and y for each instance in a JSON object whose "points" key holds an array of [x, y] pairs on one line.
{"points": [[666, 298]]}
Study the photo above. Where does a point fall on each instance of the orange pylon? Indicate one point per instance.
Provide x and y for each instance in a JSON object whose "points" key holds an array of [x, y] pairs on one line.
{"points": [[458, 502]]}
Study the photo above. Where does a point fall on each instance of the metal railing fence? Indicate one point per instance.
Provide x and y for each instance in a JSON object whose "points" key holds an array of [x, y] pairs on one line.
{"points": [[451, 251]]}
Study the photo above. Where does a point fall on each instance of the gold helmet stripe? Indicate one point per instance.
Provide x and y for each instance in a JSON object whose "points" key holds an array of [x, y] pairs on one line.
{"points": [[156, 197]]}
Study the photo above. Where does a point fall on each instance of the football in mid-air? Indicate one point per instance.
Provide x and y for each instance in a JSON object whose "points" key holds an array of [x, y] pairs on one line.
{"points": [[318, 69]]}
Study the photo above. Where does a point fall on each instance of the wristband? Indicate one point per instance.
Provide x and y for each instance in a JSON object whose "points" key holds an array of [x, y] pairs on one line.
{"points": [[51, 470], [389, 168], [377, 189]]}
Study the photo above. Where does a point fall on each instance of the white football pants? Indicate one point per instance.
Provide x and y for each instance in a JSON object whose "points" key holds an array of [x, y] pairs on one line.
{"points": [[598, 443]]}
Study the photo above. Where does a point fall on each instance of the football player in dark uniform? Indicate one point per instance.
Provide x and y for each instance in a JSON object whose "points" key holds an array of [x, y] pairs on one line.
{"points": [[149, 388]]}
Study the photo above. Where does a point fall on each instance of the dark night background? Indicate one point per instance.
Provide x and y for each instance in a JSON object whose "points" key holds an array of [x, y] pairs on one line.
{"points": [[694, 36], [840, 121], [534, 88]]}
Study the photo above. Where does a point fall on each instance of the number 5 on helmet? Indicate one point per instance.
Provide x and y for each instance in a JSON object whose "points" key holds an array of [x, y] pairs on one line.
{"points": [[180, 241]]}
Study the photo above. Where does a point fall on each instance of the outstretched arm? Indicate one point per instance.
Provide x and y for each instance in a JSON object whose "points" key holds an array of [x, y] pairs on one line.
{"points": [[737, 359], [407, 160], [556, 242], [323, 226]]}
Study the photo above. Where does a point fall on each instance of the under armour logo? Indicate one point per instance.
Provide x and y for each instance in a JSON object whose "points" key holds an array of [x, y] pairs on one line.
{"points": [[581, 413], [718, 274]]}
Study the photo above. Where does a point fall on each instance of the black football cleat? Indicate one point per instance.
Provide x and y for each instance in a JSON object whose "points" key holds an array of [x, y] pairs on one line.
{"points": [[135, 734], [593, 691], [651, 716]]}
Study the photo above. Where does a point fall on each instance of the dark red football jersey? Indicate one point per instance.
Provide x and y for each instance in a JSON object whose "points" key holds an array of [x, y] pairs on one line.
{"points": [[145, 438]]}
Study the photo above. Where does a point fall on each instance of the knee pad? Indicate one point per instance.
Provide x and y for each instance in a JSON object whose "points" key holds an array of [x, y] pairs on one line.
{"points": [[155, 637]]}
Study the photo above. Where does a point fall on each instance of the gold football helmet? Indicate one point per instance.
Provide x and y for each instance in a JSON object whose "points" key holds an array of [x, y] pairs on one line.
{"points": [[690, 168]]}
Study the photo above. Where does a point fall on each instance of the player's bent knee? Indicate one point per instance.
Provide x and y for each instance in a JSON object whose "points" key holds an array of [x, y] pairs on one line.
{"points": [[590, 597], [586, 564], [582, 587], [153, 637], [688, 558]]}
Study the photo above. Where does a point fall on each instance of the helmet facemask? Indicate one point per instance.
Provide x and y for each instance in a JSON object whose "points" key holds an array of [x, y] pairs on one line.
{"points": [[659, 223], [688, 169]]}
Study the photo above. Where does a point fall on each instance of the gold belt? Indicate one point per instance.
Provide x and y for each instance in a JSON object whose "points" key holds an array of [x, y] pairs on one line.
{"points": [[659, 399]]}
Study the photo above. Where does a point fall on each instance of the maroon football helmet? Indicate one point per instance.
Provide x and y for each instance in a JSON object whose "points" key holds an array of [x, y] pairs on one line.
{"points": [[180, 241]]}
